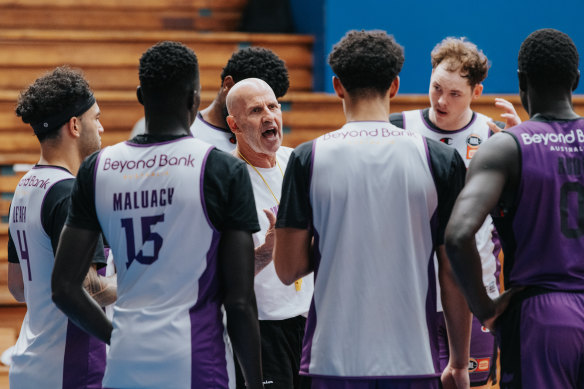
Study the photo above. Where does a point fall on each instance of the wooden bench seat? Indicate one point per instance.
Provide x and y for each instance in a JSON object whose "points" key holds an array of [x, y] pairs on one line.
{"points": [[195, 15], [110, 59]]}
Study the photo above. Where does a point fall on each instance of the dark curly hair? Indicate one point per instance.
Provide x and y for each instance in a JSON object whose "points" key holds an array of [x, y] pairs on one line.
{"points": [[366, 61], [258, 62], [168, 66], [549, 57], [462, 54], [50, 95]]}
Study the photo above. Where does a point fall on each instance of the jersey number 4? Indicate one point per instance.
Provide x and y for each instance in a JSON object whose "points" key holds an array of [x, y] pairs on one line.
{"points": [[23, 248], [147, 236]]}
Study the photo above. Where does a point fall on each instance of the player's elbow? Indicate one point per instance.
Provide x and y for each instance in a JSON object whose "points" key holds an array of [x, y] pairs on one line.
{"points": [[284, 272], [61, 290], [456, 236]]}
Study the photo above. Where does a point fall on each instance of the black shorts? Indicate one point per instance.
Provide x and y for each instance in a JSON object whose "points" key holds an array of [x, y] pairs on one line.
{"points": [[281, 350]]}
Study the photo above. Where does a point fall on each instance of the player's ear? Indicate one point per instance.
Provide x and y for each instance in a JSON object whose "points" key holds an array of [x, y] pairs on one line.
{"points": [[576, 81], [139, 95], [522, 77], [477, 91], [227, 83], [338, 87], [394, 87]]}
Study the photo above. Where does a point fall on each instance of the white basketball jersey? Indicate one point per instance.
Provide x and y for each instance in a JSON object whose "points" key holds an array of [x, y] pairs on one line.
{"points": [[275, 300], [373, 198], [168, 330], [466, 141], [48, 353], [216, 136]]}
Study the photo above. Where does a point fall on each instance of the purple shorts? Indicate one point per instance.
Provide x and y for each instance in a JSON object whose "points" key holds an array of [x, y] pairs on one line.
{"points": [[483, 351], [542, 342], [354, 383]]}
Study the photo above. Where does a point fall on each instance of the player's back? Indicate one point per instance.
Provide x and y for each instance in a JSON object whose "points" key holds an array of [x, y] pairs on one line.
{"points": [[50, 351], [373, 199], [546, 237], [150, 204]]}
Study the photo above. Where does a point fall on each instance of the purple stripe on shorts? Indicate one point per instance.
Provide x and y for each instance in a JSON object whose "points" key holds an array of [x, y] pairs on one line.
{"points": [[431, 319], [208, 364], [201, 190], [311, 320], [84, 359]]}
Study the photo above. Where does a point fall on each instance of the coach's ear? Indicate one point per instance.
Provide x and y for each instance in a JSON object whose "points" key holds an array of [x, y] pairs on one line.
{"points": [[139, 95], [394, 87]]}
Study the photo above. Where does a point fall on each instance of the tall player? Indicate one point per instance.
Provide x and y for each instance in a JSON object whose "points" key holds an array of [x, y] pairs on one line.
{"points": [[458, 70], [178, 215], [531, 178], [51, 352], [365, 207], [256, 120]]}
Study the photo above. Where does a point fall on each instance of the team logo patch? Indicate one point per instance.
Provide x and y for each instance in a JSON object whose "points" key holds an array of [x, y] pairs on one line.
{"points": [[474, 140], [472, 144], [447, 141], [485, 329], [479, 365]]}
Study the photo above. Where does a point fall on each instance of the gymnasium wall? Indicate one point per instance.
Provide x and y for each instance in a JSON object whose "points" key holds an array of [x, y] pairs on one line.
{"points": [[497, 27]]}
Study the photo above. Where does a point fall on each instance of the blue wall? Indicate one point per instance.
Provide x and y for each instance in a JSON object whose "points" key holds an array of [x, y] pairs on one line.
{"points": [[497, 27]]}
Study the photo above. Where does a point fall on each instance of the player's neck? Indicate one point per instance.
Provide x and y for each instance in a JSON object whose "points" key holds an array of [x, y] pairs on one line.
{"points": [[213, 115], [172, 123], [62, 156], [366, 109], [249, 156], [559, 107]]}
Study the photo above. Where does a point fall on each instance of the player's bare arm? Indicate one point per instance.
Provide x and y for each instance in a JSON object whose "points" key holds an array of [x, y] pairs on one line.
{"points": [[292, 254], [236, 272], [458, 325], [15, 282], [492, 173], [72, 263], [263, 253]]}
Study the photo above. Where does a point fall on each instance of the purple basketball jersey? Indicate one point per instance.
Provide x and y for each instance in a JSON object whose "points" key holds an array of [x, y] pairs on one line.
{"points": [[548, 225]]}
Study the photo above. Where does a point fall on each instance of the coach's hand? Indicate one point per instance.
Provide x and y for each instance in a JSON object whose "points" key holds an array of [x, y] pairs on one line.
{"points": [[455, 378], [264, 253]]}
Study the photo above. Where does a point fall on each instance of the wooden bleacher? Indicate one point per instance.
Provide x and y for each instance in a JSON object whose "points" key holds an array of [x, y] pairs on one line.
{"points": [[144, 15]]}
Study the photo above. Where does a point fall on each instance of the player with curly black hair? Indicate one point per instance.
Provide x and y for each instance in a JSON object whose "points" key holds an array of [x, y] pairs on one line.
{"points": [[178, 215], [372, 200], [530, 178], [51, 351], [250, 62]]}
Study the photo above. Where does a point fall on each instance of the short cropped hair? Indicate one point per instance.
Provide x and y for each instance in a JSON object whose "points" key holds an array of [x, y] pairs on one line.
{"points": [[549, 57], [168, 66], [366, 61], [461, 54], [50, 95], [258, 62]]}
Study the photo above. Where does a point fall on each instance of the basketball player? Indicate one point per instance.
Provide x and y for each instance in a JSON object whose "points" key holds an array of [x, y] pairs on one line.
{"points": [[256, 120], [531, 177], [251, 62], [458, 70], [365, 207], [51, 352], [178, 215]]}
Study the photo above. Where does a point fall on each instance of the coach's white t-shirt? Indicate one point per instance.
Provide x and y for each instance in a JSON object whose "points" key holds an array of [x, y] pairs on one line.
{"points": [[275, 300]]}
